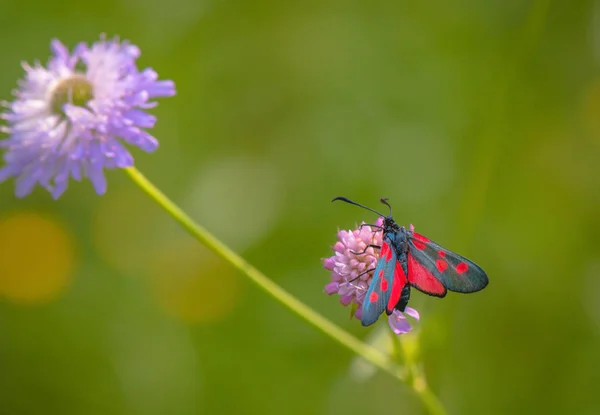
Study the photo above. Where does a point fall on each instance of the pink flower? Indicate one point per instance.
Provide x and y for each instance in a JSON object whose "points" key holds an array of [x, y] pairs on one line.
{"points": [[398, 322], [350, 275]]}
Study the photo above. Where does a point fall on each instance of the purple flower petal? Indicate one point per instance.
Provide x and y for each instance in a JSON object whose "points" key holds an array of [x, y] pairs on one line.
{"points": [[6, 172], [412, 312], [345, 299], [26, 182], [329, 263], [332, 288], [70, 122], [140, 118], [398, 324]]}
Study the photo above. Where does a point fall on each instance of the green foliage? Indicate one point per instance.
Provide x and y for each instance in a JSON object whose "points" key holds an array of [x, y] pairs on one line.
{"points": [[479, 120]]}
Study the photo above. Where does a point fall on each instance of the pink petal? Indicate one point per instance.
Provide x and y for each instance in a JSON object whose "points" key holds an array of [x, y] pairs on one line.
{"points": [[332, 288], [346, 299], [329, 263], [412, 312], [398, 323]]}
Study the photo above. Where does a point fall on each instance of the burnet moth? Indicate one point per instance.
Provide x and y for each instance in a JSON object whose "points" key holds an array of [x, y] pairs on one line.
{"points": [[408, 259]]}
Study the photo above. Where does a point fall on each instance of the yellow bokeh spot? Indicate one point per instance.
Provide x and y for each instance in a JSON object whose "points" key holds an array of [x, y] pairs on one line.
{"points": [[125, 229], [193, 285], [36, 258]]}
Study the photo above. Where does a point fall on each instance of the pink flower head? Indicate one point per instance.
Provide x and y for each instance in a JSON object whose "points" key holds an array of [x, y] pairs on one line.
{"points": [[350, 275]]}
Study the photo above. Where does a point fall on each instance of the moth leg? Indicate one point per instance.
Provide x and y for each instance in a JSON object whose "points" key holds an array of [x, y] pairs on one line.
{"points": [[371, 225], [361, 274], [365, 250]]}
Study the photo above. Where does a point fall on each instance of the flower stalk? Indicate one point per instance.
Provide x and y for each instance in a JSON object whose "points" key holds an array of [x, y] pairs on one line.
{"points": [[368, 352], [73, 119]]}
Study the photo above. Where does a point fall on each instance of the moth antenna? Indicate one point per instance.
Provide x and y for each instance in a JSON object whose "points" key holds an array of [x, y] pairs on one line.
{"points": [[344, 199], [384, 200]]}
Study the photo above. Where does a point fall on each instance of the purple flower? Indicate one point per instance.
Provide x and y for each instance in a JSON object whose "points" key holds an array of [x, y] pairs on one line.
{"points": [[72, 117], [346, 266], [398, 322]]}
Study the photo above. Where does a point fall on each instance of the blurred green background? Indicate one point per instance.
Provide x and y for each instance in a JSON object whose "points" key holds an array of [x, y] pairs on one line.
{"points": [[479, 120]]}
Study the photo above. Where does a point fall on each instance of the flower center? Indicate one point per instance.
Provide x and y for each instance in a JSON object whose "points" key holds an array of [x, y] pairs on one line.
{"points": [[76, 90]]}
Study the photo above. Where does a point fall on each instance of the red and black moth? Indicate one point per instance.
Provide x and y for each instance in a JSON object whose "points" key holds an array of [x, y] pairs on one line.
{"points": [[408, 259]]}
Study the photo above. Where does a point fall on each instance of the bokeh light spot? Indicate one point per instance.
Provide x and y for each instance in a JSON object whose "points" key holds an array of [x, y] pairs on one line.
{"points": [[36, 258], [241, 199], [193, 285], [126, 228]]}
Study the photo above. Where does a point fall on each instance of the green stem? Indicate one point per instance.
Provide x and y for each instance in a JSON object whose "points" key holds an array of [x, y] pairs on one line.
{"points": [[418, 382], [416, 379], [433, 404], [407, 347], [369, 353]]}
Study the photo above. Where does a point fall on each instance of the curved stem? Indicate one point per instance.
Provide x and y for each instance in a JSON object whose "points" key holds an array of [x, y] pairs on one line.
{"points": [[433, 404], [369, 353], [407, 347], [416, 378]]}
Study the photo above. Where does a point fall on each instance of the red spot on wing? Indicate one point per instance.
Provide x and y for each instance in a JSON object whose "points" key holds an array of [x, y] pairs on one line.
{"points": [[422, 279], [384, 250], [442, 254], [384, 285], [419, 241], [373, 297], [397, 284], [441, 265], [419, 245], [381, 272], [388, 257], [461, 268], [421, 237]]}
